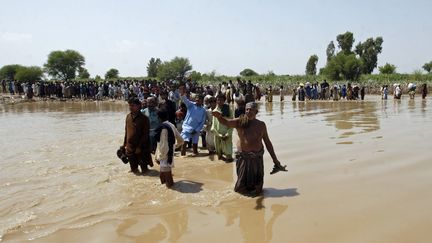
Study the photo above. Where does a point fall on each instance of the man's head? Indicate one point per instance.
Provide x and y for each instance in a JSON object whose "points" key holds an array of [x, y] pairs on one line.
{"points": [[162, 115], [241, 103], [151, 103], [164, 95], [199, 99], [220, 99], [251, 110], [134, 105], [212, 102]]}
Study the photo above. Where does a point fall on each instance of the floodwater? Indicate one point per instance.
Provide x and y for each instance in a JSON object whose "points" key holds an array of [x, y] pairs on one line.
{"points": [[358, 172]]}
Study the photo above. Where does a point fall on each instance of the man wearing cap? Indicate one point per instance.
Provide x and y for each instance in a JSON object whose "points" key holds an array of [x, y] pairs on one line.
{"points": [[136, 140], [249, 164]]}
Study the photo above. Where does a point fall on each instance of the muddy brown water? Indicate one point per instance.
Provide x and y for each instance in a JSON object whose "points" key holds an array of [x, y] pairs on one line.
{"points": [[358, 172]]}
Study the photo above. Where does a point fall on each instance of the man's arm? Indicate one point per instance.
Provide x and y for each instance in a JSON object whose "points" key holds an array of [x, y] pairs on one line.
{"points": [[269, 146], [203, 120], [124, 140], [183, 97], [231, 123], [145, 136], [178, 137]]}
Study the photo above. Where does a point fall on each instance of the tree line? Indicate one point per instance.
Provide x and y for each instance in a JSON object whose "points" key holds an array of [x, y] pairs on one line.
{"points": [[342, 63]]}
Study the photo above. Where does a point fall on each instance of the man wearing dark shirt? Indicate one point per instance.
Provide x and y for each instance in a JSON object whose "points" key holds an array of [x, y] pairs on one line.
{"points": [[136, 141]]}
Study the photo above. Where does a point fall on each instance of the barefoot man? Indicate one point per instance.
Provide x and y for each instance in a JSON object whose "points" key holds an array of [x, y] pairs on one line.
{"points": [[249, 164]]}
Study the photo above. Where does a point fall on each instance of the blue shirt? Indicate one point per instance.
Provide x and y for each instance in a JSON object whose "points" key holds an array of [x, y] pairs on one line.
{"points": [[153, 118], [195, 116]]}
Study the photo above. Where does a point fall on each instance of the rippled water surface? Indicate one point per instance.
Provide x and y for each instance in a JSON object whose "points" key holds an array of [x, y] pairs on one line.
{"points": [[358, 172]]}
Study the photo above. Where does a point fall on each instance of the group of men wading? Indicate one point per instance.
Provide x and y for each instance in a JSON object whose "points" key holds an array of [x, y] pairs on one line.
{"points": [[137, 146]]}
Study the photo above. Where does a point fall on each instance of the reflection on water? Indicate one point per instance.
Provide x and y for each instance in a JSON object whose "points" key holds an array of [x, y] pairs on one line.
{"points": [[349, 118], [170, 227], [65, 107], [59, 169]]}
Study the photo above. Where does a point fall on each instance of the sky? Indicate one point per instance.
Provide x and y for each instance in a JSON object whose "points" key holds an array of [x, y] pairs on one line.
{"points": [[222, 36]]}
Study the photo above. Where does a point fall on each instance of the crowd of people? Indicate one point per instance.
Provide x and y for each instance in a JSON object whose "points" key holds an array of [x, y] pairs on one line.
{"points": [[184, 113], [242, 90], [178, 114]]}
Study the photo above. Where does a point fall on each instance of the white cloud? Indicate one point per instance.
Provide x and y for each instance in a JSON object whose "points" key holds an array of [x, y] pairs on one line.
{"points": [[15, 37]]}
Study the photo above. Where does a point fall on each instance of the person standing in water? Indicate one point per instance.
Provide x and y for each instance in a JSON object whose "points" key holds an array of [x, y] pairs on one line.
{"points": [[193, 122], [222, 133], [166, 136], [151, 113], [281, 93], [136, 142], [424, 91], [250, 165]]}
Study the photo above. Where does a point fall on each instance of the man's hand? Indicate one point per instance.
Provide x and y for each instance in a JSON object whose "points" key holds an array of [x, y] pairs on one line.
{"points": [[182, 90], [216, 114], [278, 167]]}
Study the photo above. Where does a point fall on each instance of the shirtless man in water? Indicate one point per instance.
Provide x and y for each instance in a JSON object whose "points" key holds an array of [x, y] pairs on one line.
{"points": [[249, 164]]}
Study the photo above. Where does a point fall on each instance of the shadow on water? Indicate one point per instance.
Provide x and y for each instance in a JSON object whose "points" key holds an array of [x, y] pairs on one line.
{"points": [[186, 186], [274, 193], [151, 173]]}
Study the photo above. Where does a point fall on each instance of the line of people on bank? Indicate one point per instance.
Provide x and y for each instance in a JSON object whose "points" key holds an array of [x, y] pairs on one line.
{"points": [[242, 90]]}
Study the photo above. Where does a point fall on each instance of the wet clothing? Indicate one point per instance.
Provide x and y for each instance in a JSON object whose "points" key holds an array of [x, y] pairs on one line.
{"points": [[165, 147], [301, 94], [154, 124], [250, 171], [209, 133], [223, 146], [137, 138], [193, 122]]}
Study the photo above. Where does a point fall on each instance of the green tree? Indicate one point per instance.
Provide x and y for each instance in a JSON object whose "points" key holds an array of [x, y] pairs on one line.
{"points": [[345, 42], [270, 73], [311, 68], [417, 75], [248, 72], [428, 67], [9, 71], [368, 52], [330, 51], [152, 67], [64, 64], [83, 73], [112, 74], [195, 76], [387, 69], [343, 66], [181, 65], [29, 74], [177, 67]]}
